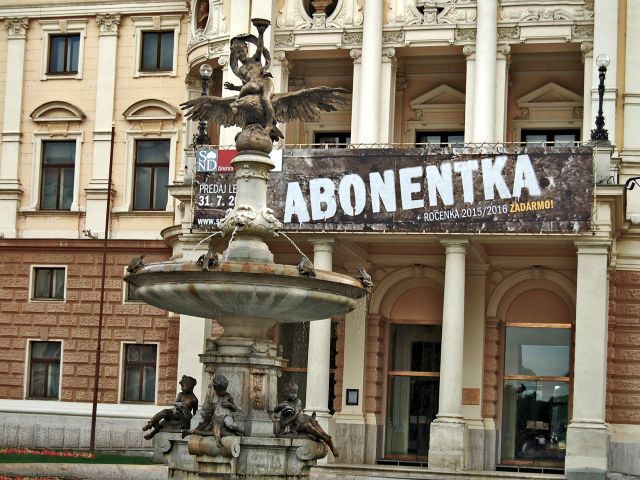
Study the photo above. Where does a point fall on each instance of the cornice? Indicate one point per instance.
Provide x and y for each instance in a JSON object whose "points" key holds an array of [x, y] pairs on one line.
{"points": [[88, 9]]}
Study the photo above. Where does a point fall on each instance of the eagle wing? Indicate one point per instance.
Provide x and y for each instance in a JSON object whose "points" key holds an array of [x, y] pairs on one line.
{"points": [[307, 104], [214, 109]]}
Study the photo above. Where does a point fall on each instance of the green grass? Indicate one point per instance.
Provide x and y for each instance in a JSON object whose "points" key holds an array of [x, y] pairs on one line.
{"points": [[100, 458]]}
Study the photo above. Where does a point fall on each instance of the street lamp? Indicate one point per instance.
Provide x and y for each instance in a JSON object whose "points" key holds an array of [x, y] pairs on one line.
{"points": [[202, 138], [600, 134]]}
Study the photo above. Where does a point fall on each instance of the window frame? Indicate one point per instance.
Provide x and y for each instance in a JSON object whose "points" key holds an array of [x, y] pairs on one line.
{"points": [[129, 181], [52, 28], [155, 23], [153, 166], [440, 133], [32, 283], [38, 149], [160, 34], [66, 37], [550, 132], [29, 362], [338, 133], [59, 168], [123, 373]]}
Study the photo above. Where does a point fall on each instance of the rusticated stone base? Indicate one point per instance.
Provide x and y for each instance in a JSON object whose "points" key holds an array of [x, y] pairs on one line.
{"points": [[250, 458], [448, 444], [587, 446]]}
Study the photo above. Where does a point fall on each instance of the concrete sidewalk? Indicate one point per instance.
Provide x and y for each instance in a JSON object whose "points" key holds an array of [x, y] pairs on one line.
{"points": [[86, 471]]}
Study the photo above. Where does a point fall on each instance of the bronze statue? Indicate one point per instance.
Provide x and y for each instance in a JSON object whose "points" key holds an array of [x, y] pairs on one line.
{"points": [[216, 413], [184, 408], [294, 421], [256, 109]]}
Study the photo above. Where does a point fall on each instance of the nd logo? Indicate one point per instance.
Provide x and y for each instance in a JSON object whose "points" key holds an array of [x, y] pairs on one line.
{"points": [[206, 160]]}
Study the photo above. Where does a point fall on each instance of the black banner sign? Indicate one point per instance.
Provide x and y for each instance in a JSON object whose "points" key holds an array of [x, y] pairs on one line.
{"points": [[412, 190]]}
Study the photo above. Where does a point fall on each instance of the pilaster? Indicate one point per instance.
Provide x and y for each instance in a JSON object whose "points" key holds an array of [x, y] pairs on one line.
{"points": [[587, 118], [387, 94], [605, 41], [10, 188], [469, 52], [503, 61], [98, 187], [587, 436], [356, 55], [631, 139]]}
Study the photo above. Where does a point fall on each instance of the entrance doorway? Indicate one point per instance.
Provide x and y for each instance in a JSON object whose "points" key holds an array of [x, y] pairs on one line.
{"points": [[412, 390], [535, 412]]}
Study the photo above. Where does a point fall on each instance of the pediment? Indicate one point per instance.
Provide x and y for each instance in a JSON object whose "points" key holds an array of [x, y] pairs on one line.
{"points": [[57, 112], [151, 110], [550, 93], [441, 96]]}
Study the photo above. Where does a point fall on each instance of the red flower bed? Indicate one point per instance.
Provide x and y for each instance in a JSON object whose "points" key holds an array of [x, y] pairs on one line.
{"points": [[46, 452]]}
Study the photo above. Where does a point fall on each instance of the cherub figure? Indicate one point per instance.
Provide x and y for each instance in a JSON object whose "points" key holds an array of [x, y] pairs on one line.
{"points": [[179, 416], [256, 79], [294, 421], [216, 413]]}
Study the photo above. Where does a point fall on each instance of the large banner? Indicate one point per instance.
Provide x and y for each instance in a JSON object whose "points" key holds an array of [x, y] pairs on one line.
{"points": [[530, 190]]}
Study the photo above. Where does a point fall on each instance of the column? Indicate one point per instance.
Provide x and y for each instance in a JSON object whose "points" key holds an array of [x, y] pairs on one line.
{"points": [[10, 188], [588, 119], [369, 102], [319, 343], [387, 94], [356, 55], [280, 72], [448, 436], [605, 40], [503, 60], [97, 188], [239, 22], [484, 104], [469, 51], [473, 370], [587, 436]]}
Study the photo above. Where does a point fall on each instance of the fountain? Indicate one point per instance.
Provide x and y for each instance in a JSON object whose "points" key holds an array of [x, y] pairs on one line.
{"points": [[244, 290]]}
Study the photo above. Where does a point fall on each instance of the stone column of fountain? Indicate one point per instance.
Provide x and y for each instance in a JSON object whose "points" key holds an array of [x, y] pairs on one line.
{"points": [[243, 289]]}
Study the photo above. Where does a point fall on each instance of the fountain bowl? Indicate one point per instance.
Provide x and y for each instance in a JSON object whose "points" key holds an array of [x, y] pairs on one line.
{"points": [[273, 292]]}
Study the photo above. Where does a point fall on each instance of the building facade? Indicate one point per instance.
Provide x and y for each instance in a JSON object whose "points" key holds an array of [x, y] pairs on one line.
{"points": [[477, 351]]}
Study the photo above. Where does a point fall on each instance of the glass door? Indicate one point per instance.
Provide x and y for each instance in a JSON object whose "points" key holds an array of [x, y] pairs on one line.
{"points": [[412, 390], [535, 411]]}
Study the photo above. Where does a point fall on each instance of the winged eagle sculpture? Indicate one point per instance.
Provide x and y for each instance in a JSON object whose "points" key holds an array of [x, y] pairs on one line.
{"points": [[257, 108]]}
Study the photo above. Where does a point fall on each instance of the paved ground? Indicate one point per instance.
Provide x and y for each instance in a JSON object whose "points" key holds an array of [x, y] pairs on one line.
{"points": [[86, 471]]}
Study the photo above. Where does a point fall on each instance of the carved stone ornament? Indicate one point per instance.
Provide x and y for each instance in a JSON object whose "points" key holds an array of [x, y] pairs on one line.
{"points": [[466, 35], [108, 23], [588, 8], [280, 41], [509, 33], [216, 48], [17, 27], [352, 38], [355, 54], [393, 37], [468, 50], [587, 49], [582, 31], [545, 15]]}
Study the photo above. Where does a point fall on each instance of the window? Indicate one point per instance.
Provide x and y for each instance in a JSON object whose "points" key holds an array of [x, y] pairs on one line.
{"points": [[44, 369], [48, 283], [62, 48], [157, 51], [58, 170], [151, 174], [537, 366], [156, 48], [441, 139], [64, 51], [131, 293], [553, 138], [140, 372], [333, 139]]}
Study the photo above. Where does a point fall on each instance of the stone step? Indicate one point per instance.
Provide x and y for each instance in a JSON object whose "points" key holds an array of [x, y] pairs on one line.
{"points": [[387, 472]]}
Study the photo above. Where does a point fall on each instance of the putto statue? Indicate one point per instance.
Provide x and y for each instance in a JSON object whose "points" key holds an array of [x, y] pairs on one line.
{"points": [[216, 413], [256, 109], [178, 417], [293, 421]]}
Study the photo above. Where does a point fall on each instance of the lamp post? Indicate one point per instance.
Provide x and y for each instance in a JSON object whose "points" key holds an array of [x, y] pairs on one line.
{"points": [[202, 137], [600, 134]]}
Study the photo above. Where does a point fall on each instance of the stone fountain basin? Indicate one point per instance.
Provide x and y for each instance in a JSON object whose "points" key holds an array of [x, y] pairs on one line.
{"points": [[236, 289]]}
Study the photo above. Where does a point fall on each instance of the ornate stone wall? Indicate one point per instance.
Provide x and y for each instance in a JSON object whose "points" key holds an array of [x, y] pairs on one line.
{"points": [[75, 320], [623, 369]]}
